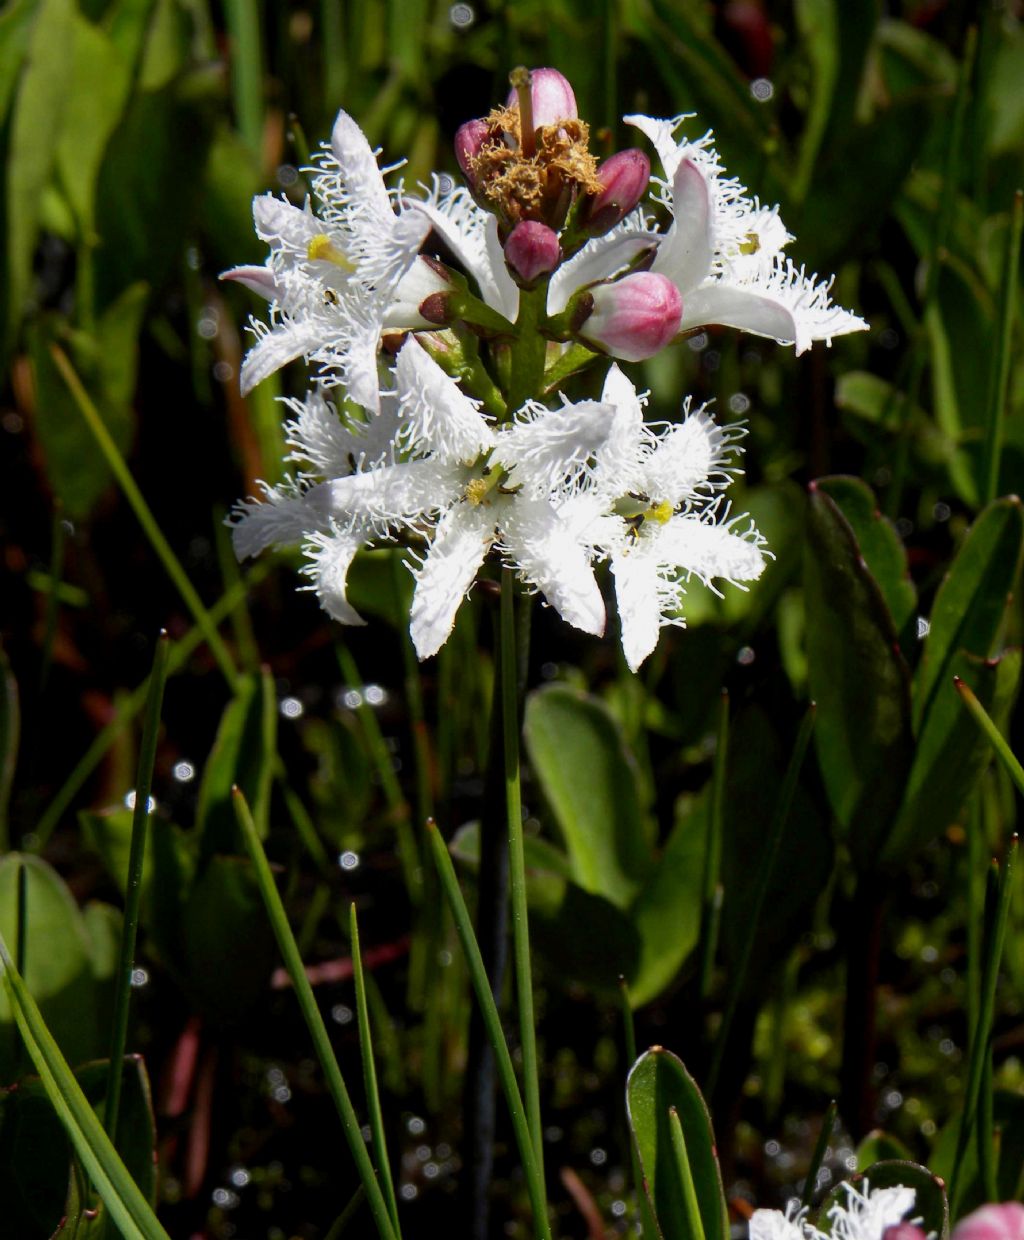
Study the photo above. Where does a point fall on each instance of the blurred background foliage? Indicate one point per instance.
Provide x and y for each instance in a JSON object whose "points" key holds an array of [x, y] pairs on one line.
{"points": [[134, 134]]}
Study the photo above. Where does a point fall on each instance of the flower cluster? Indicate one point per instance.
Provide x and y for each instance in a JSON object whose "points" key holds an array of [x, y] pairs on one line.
{"points": [[866, 1214], [437, 420]]}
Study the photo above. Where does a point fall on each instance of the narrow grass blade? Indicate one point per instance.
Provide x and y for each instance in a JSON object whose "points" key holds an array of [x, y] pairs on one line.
{"points": [[180, 653], [517, 865], [380, 1147], [694, 1223], [133, 886], [766, 865], [985, 722], [150, 526], [243, 22], [999, 375], [492, 1023], [129, 1209], [818, 1156], [340, 1224], [712, 889], [979, 1050], [313, 1018]]}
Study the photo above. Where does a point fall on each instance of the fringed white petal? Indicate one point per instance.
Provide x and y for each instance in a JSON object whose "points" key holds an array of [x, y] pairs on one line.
{"points": [[357, 164], [620, 459], [661, 134], [554, 450], [685, 254], [787, 306], [333, 446], [449, 568], [280, 224], [691, 459], [389, 495], [775, 1225], [549, 557], [276, 347], [472, 236], [867, 1212], [282, 518], [708, 549], [330, 556], [600, 259], [638, 598], [438, 417]]}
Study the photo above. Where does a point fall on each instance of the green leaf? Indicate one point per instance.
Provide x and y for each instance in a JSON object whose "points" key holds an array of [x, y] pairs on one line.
{"points": [[590, 780], [39, 107], [859, 679], [929, 1203], [57, 959], [583, 938], [243, 756], [99, 82], [667, 911], [15, 32], [224, 909], [128, 1207], [75, 465], [658, 1081], [879, 544], [952, 752], [972, 601], [108, 834], [879, 1146], [171, 856]]}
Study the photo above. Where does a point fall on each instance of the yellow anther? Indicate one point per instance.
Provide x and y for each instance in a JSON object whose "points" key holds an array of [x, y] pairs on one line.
{"points": [[323, 250], [662, 513], [751, 244], [477, 490]]}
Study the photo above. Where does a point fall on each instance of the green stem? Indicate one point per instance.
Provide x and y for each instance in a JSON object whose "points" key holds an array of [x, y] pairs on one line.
{"points": [[528, 350], [133, 887], [765, 869], [313, 1018], [243, 22], [159, 543], [380, 1147], [492, 1023], [517, 864], [999, 375]]}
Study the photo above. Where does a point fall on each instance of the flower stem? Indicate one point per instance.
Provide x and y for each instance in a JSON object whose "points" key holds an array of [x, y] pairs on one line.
{"points": [[517, 865], [133, 887], [495, 1034], [999, 375]]}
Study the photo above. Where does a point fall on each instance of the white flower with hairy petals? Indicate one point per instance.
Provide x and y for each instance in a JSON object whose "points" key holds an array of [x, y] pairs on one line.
{"points": [[655, 510], [338, 277], [723, 251], [865, 1215], [430, 465]]}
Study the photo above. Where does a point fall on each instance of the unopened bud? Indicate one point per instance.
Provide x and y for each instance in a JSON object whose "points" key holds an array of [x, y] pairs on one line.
{"points": [[624, 179], [469, 138], [992, 1222], [551, 96], [903, 1231], [635, 317], [531, 251]]}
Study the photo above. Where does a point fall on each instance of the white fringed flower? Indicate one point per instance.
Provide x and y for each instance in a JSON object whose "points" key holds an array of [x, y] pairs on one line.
{"points": [[865, 1215], [430, 465], [723, 251], [337, 277]]}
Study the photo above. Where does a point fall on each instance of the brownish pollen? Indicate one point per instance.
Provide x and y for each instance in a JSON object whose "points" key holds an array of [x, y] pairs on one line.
{"points": [[537, 186]]}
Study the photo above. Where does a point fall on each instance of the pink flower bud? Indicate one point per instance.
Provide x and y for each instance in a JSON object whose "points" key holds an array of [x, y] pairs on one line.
{"points": [[469, 138], [903, 1231], [624, 179], [635, 317], [994, 1222], [551, 96], [531, 251]]}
